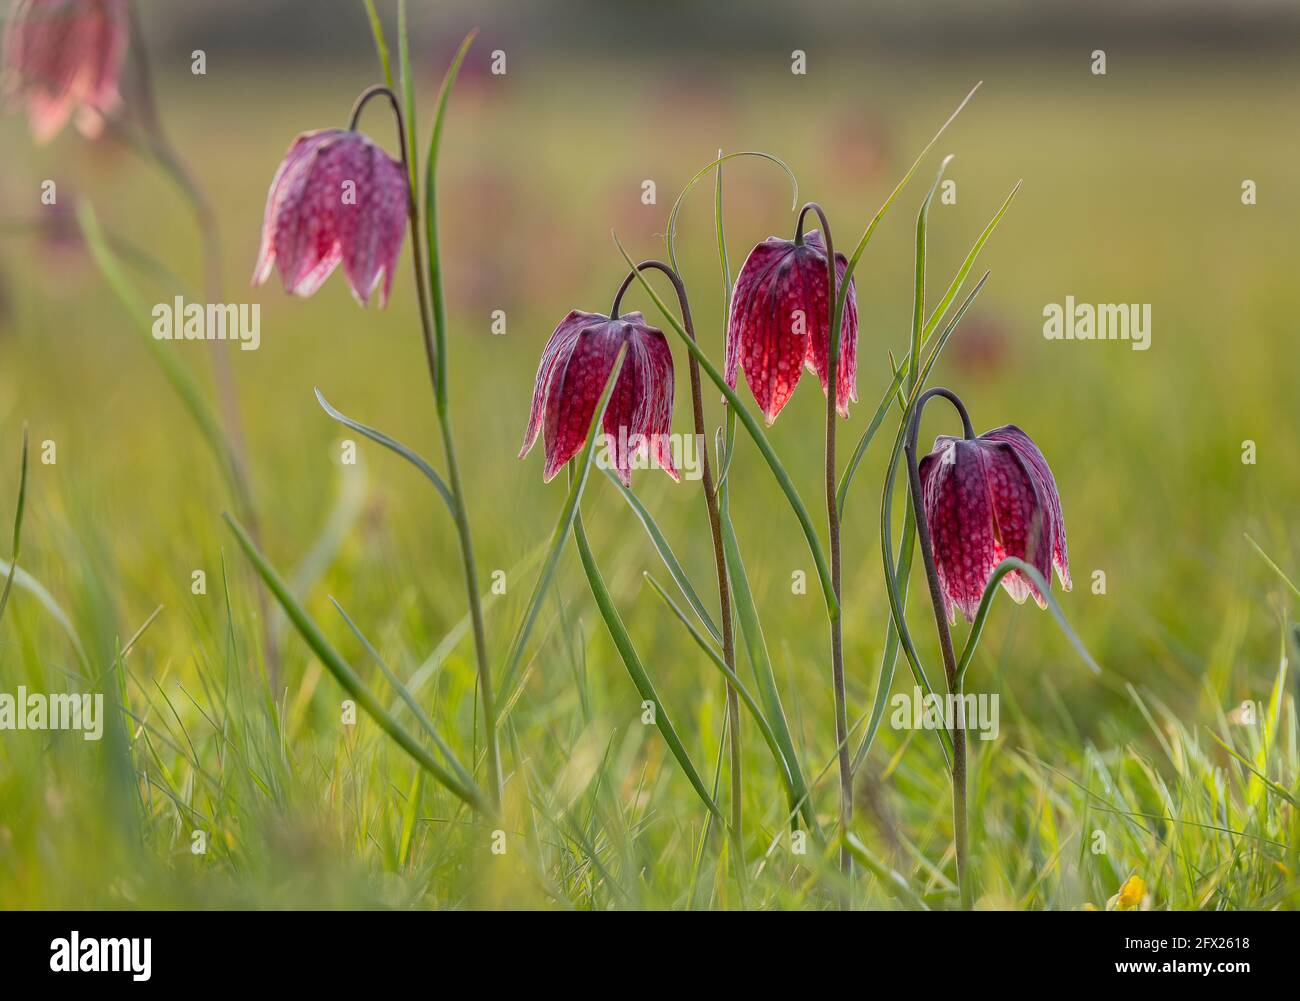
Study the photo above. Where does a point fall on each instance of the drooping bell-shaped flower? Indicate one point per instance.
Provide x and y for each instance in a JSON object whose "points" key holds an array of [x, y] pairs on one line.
{"points": [[985, 499], [571, 377], [337, 196], [780, 323], [65, 56]]}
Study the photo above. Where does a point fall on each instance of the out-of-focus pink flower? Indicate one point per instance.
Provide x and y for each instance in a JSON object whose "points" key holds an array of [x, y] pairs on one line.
{"points": [[780, 323], [63, 56], [575, 366], [985, 499], [336, 197]]}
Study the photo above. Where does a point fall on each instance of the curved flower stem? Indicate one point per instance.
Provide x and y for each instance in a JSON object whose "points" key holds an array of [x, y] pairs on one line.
{"points": [[719, 559], [437, 376], [835, 614], [945, 635], [736, 407]]}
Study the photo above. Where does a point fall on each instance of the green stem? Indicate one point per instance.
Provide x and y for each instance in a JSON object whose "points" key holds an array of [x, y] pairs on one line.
{"points": [[433, 323], [640, 678], [755, 432], [436, 353], [959, 813], [719, 558], [836, 318]]}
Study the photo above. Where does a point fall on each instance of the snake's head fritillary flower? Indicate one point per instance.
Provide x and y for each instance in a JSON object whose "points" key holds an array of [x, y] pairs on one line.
{"points": [[65, 56], [571, 377], [985, 499], [780, 323], [337, 196]]}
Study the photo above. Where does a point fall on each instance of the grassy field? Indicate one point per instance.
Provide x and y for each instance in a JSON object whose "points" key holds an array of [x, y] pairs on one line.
{"points": [[1132, 193]]}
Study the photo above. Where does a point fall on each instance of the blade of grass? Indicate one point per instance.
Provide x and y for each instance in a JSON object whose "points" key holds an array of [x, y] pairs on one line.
{"points": [[918, 301], [893, 881], [431, 218], [697, 859], [889, 659], [179, 377], [46, 600], [348, 678], [1255, 771], [582, 468], [916, 376], [671, 237], [623, 642], [1276, 569], [954, 287], [18, 527], [391, 677], [381, 44], [751, 631], [666, 553], [746, 697], [893, 196], [751, 426]]}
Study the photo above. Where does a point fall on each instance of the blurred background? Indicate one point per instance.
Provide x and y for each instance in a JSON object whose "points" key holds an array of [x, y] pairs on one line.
{"points": [[1132, 193]]}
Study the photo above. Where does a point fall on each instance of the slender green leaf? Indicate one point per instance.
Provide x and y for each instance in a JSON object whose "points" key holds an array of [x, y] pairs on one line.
{"points": [[392, 444], [406, 73], [1276, 569], [670, 237], [986, 602], [918, 302], [893, 195], [168, 360], [623, 642], [348, 678], [936, 317], [37, 590], [410, 816], [18, 526], [1279, 790], [723, 265], [431, 220], [889, 659], [751, 426], [567, 515], [666, 553], [421, 717], [381, 44], [892, 880], [959, 279], [751, 631], [745, 696]]}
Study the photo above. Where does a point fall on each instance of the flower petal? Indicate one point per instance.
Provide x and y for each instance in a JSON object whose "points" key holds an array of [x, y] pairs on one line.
{"points": [[819, 347], [554, 356], [767, 335], [576, 389], [959, 513], [1046, 484], [372, 229], [641, 409], [1021, 527], [62, 57]]}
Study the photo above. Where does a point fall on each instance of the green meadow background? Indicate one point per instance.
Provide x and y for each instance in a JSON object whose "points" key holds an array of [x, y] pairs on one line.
{"points": [[1131, 193]]}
